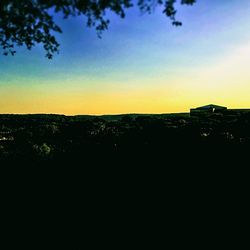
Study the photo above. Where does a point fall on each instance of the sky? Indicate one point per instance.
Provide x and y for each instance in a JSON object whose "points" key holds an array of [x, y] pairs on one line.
{"points": [[142, 64]]}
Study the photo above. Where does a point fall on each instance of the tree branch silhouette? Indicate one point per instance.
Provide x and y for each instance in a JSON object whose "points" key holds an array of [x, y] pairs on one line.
{"points": [[30, 22]]}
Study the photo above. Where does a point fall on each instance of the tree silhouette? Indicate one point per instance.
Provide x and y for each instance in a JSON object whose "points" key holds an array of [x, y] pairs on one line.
{"points": [[30, 22]]}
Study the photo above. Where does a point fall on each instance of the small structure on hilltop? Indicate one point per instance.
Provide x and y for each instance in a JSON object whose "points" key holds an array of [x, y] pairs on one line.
{"points": [[208, 109]]}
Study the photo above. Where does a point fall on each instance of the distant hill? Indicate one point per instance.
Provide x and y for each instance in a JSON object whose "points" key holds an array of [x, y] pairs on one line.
{"points": [[120, 116], [91, 117]]}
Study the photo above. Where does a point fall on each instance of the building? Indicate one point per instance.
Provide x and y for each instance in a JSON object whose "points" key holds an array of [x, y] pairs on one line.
{"points": [[208, 109]]}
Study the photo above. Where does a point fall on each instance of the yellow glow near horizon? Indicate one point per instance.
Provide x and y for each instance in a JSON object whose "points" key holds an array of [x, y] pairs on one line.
{"points": [[226, 82]]}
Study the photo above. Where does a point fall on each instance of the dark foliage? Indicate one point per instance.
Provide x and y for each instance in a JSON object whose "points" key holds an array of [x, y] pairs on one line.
{"points": [[30, 22], [51, 137]]}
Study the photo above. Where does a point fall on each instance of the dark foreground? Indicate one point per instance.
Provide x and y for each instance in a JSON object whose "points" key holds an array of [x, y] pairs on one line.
{"points": [[51, 138], [120, 172]]}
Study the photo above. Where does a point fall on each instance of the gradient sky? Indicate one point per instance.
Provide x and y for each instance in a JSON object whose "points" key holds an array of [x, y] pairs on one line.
{"points": [[142, 64]]}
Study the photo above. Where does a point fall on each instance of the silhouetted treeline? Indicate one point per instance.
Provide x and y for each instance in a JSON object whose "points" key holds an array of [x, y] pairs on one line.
{"points": [[56, 137]]}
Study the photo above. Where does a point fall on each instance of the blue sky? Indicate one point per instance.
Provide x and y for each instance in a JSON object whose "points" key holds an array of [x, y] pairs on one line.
{"points": [[141, 64]]}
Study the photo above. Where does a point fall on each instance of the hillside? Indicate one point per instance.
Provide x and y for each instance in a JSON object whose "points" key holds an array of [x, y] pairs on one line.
{"points": [[48, 137]]}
